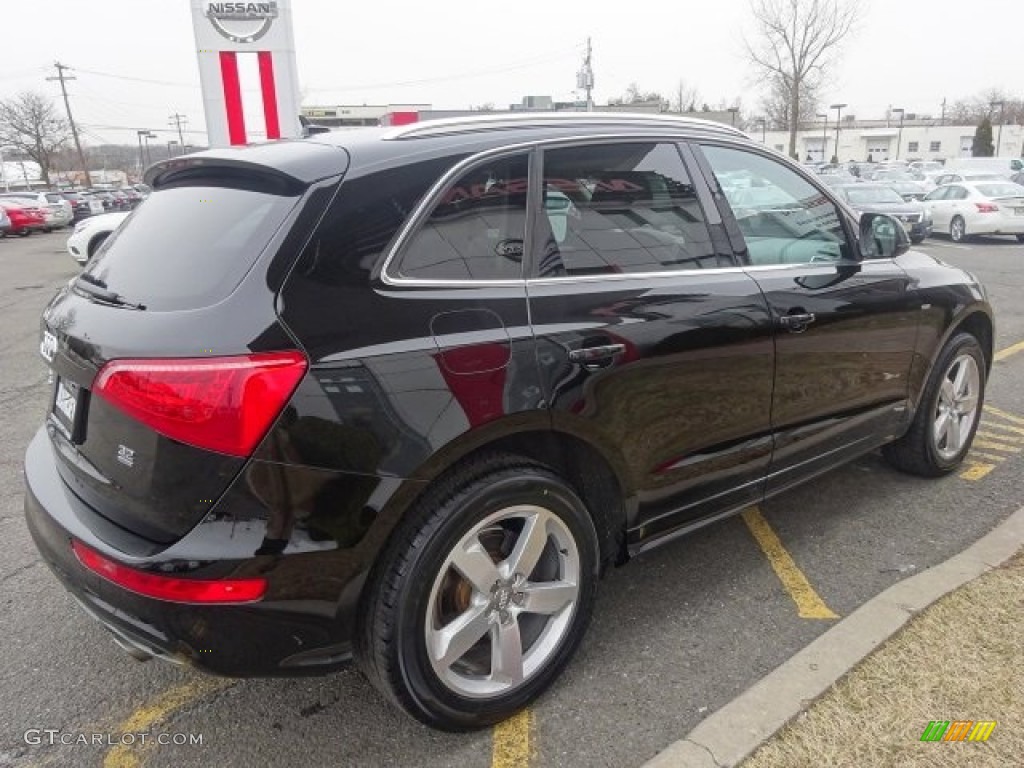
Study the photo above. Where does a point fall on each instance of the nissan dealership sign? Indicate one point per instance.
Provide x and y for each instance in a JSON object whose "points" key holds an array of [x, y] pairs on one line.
{"points": [[232, 39], [241, 22]]}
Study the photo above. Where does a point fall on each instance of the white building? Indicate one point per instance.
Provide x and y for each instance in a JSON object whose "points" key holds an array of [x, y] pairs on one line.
{"points": [[877, 140]]}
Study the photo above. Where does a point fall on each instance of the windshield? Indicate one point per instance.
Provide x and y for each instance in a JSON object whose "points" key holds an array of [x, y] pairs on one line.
{"points": [[188, 247], [1001, 190], [866, 195]]}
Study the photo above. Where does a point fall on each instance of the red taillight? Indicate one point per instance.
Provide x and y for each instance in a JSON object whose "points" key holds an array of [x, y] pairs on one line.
{"points": [[987, 207], [169, 587], [223, 404]]}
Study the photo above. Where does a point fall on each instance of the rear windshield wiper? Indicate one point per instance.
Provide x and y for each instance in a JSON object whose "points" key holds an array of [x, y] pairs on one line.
{"points": [[97, 289]]}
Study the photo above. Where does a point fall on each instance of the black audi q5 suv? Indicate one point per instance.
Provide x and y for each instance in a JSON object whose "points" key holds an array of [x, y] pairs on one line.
{"points": [[402, 394]]}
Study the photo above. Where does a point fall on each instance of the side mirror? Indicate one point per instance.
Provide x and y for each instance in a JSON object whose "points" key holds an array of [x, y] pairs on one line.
{"points": [[882, 237]]}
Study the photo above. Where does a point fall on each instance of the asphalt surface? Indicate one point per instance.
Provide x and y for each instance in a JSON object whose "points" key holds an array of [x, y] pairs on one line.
{"points": [[677, 633]]}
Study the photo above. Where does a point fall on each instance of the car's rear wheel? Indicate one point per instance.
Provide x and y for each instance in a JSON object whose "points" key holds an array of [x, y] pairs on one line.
{"points": [[957, 229], [917, 239], [947, 416], [483, 596], [24, 232]]}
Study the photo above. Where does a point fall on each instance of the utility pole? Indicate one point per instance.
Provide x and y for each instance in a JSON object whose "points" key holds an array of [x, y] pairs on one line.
{"points": [[71, 121], [942, 120], [585, 78], [177, 121]]}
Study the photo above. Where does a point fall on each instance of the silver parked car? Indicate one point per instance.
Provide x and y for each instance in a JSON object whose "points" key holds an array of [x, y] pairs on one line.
{"points": [[55, 208]]}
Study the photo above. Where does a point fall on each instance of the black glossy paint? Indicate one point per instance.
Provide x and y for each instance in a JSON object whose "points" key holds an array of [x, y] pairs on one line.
{"points": [[707, 405]]}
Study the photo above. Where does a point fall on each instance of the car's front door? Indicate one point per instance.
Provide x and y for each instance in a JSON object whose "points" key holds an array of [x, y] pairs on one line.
{"points": [[652, 343], [937, 204], [845, 328]]}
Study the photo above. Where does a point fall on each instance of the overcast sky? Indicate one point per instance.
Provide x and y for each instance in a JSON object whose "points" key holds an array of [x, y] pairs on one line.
{"points": [[454, 54]]}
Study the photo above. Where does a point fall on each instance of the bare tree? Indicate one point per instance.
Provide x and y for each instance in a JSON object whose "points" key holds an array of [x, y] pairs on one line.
{"points": [[991, 103], [685, 98], [634, 95], [796, 41], [777, 104], [29, 122]]}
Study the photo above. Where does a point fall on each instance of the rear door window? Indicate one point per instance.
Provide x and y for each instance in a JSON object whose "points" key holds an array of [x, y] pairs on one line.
{"points": [[622, 208], [189, 246], [477, 228]]}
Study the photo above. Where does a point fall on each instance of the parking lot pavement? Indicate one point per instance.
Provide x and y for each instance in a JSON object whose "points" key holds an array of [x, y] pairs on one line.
{"points": [[676, 634]]}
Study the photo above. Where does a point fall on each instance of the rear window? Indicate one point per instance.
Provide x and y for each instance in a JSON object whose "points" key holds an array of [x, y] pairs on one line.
{"points": [[1001, 190], [190, 246], [53, 197]]}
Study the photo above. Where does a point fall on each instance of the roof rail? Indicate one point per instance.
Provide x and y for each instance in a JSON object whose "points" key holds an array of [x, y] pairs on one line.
{"points": [[474, 123]]}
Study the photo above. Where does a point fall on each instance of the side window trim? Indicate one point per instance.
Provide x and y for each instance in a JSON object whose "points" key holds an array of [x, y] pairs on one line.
{"points": [[426, 207], [732, 225]]}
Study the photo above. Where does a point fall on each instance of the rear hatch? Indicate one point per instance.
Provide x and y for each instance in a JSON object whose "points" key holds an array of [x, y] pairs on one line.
{"points": [[167, 363]]}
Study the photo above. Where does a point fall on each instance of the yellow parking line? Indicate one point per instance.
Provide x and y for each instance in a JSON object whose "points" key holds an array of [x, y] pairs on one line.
{"points": [[977, 470], [997, 446], [1003, 414], [809, 604], [980, 455], [151, 713], [988, 424], [994, 436], [511, 741], [1011, 350]]}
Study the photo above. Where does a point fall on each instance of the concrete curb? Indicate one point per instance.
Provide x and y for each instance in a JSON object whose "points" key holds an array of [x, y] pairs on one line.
{"points": [[730, 735]]}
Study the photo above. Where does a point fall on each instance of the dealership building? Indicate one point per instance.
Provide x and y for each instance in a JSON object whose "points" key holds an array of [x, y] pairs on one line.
{"points": [[879, 140]]}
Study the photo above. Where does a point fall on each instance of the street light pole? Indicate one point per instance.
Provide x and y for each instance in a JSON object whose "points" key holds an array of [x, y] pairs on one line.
{"points": [[839, 114], [1002, 110], [899, 139], [824, 137]]}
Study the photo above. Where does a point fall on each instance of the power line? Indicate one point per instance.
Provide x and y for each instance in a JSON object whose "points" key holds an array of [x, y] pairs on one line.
{"points": [[443, 78], [134, 128], [137, 79], [74, 131]]}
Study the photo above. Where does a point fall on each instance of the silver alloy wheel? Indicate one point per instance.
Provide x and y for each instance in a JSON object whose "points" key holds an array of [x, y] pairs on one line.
{"points": [[957, 407], [956, 229], [503, 601]]}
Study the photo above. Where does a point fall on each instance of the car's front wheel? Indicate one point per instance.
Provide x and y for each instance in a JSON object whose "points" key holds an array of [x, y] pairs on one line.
{"points": [[948, 413], [957, 229], [483, 596]]}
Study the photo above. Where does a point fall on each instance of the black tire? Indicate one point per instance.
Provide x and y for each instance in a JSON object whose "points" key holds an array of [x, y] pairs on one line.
{"points": [[24, 233], [957, 229], [916, 452], [1020, 238], [391, 645], [917, 240], [95, 243]]}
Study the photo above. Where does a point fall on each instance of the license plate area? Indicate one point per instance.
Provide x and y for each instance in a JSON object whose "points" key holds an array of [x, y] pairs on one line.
{"points": [[67, 410]]}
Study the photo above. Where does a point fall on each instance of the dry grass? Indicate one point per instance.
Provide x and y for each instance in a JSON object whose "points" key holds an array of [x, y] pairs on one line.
{"points": [[961, 659]]}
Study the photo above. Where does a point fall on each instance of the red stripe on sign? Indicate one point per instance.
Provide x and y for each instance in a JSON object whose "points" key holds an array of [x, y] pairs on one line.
{"points": [[266, 59], [232, 97]]}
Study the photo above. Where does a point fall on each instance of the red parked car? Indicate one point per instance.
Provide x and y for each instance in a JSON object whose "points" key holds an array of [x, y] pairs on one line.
{"points": [[24, 219]]}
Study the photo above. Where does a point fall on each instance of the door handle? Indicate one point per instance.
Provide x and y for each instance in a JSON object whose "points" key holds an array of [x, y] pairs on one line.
{"points": [[797, 322], [596, 357]]}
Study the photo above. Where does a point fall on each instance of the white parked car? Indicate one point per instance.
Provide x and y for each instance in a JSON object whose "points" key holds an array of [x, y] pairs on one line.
{"points": [[977, 208], [90, 233]]}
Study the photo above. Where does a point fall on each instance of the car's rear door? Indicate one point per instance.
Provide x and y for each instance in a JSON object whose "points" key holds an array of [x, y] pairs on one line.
{"points": [[653, 344], [845, 329]]}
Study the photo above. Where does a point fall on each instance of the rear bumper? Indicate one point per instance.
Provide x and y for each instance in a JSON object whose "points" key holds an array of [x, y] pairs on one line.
{"points": [[284, 634]]}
